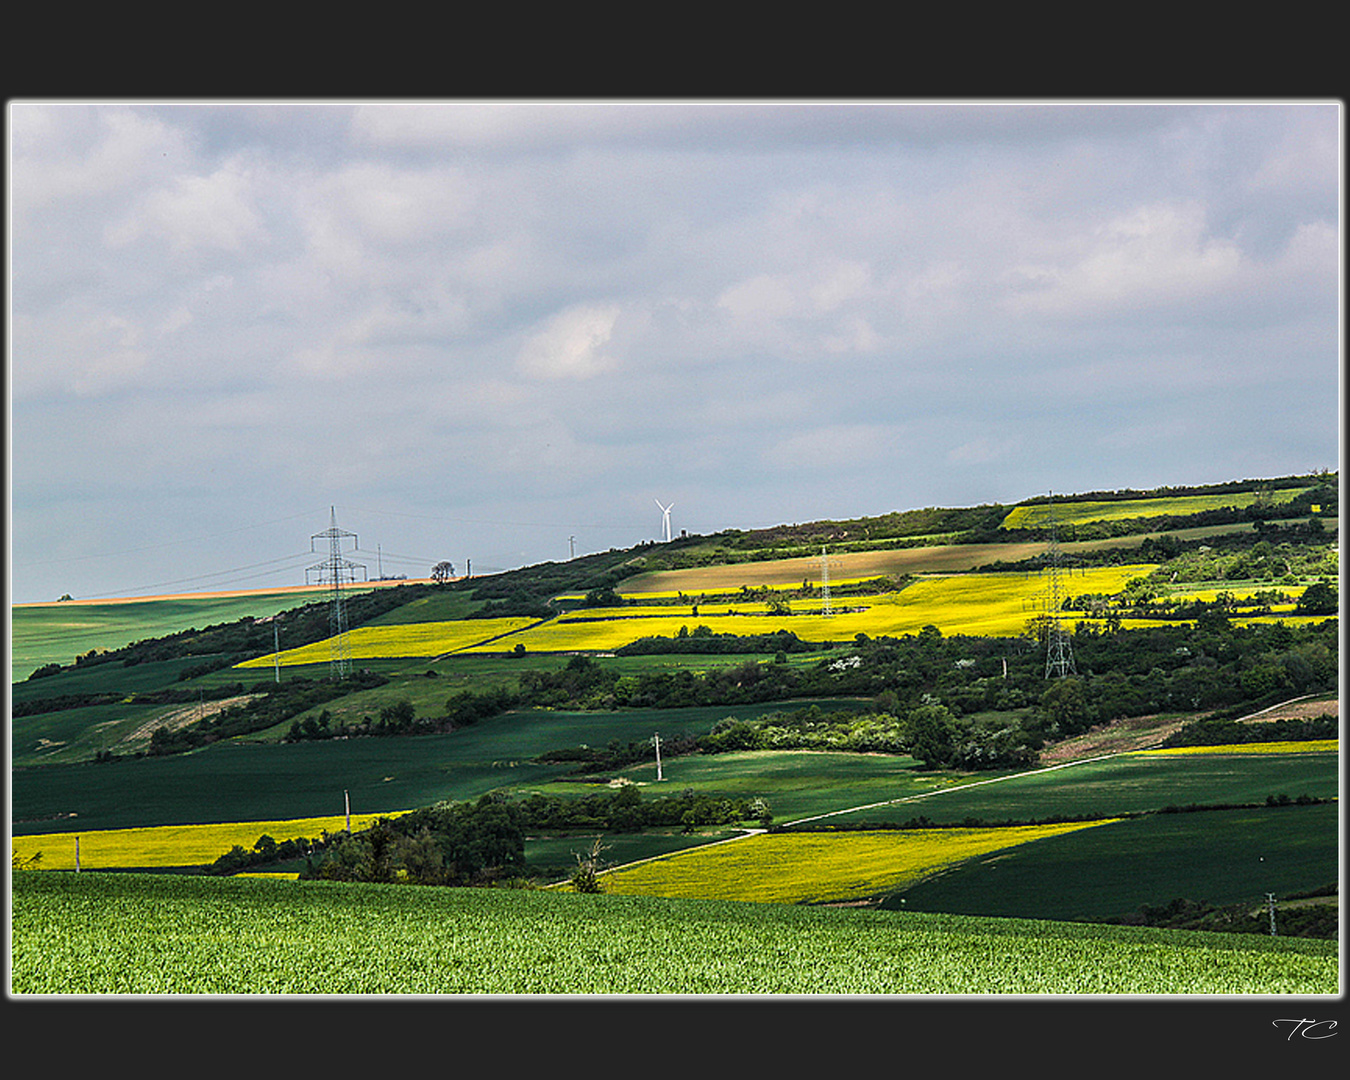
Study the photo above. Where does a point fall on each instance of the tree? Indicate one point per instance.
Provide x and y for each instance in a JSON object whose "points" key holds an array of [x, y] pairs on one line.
{"points": [[1066, 707], [442, 572], [932, 734], [585, 879], [1318, 599]]}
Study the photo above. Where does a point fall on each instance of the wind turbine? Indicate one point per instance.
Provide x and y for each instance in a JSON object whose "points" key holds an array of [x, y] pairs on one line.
{"points": [[665, 517]]}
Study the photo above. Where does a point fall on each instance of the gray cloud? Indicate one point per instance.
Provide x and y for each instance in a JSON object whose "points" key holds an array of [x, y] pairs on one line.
{"points": [[479, 328]]}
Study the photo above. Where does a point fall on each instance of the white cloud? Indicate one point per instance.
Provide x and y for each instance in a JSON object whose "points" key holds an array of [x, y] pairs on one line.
{"points": [[983, 451], [84, 354], [67, 154], [835, 446], [394, 206], [824, 307], [571, 345], [213, 211], [1158, 253], [764, 298]]}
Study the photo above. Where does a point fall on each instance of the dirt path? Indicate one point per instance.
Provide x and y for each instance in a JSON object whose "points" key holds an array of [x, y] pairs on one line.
{"points": [[184, 715]]}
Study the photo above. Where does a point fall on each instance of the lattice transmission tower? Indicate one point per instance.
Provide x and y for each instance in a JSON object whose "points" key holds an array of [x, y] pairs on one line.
{"points": [[1058, 651], [334, 571]]}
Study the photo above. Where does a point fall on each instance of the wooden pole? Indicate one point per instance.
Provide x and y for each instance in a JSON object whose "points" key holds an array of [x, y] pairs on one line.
{"points": [[657, 740], [347, 802], [77, 854]]}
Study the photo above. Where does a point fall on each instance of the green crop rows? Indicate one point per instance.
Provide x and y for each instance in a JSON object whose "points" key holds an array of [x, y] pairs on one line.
{"points": [[128, 934]]}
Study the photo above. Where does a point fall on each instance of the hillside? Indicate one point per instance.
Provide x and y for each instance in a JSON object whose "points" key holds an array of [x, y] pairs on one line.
{"points": [[890, 704]]}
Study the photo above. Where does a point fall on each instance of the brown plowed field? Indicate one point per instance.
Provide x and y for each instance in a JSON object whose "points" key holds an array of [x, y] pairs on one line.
{"points": [[844, 566]]}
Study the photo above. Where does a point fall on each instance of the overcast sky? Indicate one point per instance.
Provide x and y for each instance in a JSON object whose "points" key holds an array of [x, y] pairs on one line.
{"points": [[501, 331]]}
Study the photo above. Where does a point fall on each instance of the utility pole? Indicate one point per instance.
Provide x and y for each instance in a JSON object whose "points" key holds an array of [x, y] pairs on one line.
{"points": [[347, 803], [572, 546], [276, 648], [657, 740], [77, 854], [1270, 905]]}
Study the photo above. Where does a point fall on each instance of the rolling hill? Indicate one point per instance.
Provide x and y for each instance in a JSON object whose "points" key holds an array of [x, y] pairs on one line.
{"points": [[877, 687]]}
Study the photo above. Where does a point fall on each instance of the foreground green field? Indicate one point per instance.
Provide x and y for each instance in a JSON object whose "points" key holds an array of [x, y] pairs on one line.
{"points": [[114, 934]]}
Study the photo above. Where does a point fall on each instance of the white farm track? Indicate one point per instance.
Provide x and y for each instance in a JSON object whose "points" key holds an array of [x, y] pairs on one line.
{"points": [[182, 716]]}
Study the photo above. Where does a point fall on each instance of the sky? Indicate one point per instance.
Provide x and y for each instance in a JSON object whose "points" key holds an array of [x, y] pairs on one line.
{"points": [[499, 333]]}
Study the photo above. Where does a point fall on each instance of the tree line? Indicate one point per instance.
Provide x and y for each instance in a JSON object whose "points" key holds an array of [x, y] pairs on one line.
{"points": [[483, 842], [952, 702]]}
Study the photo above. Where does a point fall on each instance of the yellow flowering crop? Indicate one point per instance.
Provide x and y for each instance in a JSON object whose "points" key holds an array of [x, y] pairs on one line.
{"points": [[169, 845], [978, 604], [1303, 747], [793, 868], [406, 640]]}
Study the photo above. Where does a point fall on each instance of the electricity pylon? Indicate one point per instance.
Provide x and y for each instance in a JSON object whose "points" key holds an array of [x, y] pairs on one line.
{"points": [[334, 571], [1058, 652], [825, 608]]}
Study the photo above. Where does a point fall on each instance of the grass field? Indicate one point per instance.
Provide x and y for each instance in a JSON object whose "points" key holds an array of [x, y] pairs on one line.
{"points": [[1215, 856], [1081, 513], [1122, 784], [58, 632], [105, 934], [813, 868], [245, 781]]}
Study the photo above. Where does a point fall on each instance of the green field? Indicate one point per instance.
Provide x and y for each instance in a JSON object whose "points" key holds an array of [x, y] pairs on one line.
{"points": [[1017, 844], [99, 934], [255, 781], [1214, 856], [57, 633], [1074, 512], [1123, 784]]}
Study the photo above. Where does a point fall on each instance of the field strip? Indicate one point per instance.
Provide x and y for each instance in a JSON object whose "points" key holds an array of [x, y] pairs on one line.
{"points": [[170, 845], [1281, 705], [814, 868], [867, 806], [1305, 746], [667, 855], [959, 787]]}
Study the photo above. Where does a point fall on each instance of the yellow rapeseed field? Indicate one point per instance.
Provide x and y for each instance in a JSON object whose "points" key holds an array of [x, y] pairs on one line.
{"points": [[169, 845], [794, 868], [407, 640], [1307, 746], [998, 604]]}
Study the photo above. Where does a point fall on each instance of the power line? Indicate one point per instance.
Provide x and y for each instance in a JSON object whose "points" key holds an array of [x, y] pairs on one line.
{"points": [[203, 577], [156, 547]]}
